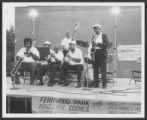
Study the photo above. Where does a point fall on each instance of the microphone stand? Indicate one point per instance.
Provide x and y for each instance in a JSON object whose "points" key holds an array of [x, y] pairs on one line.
{"points": [[87, 81]]}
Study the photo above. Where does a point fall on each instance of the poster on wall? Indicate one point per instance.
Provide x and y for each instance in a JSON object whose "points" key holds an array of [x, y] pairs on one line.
{"points": [[128, 52]]}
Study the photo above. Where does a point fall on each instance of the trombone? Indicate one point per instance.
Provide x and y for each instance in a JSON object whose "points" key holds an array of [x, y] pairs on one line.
{"points": [[16, 67]]}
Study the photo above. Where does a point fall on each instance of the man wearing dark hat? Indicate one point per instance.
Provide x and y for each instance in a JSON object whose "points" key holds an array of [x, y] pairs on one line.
{"points": [[29, 55], [99, 47]]}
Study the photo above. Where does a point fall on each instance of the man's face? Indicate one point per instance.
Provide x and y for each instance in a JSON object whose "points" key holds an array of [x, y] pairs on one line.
{"points": [[67, 34], [72, 46], [96, 30], [27, 44], [56, 49], [46, 45]]}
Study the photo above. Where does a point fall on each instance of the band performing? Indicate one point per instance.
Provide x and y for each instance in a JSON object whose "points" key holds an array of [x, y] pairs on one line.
{"points": [[64, 57]]}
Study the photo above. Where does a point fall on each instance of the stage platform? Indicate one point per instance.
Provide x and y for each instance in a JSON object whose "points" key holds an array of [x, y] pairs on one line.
{"points": [[121, 98]]}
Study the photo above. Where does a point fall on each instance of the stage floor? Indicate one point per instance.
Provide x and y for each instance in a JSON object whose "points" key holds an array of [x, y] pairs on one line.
{"points": [[120, 92]]}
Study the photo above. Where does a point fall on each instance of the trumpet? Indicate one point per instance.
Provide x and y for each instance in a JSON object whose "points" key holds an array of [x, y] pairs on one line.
{"points": [[16, 67]]}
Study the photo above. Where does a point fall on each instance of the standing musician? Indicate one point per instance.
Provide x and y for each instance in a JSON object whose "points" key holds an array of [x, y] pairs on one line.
{"points": [[65, 43], [29, 56], [99, 45], [73, 60]]}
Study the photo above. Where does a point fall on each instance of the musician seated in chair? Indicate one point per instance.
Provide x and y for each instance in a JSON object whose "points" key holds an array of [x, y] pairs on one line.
{"points": [[54, 61], [43, 65], [29, 56], [74, 61]]}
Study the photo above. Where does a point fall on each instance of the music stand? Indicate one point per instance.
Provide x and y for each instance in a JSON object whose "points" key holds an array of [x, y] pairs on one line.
{"points": [[87, 88], [44, 52]]}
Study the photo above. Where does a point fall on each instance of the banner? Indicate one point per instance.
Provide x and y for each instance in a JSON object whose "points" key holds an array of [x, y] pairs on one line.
{"points": [[128, 52], [48, 104]]}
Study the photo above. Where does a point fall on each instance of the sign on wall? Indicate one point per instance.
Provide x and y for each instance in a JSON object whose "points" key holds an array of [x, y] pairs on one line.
{"points": [[128, 52], [48, 104]]}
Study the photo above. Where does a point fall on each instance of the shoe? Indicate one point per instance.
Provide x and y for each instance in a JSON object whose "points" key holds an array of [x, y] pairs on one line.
{"points": [[64, 84], [60, 82], [40, 83], [78, 85], [95, 85]]}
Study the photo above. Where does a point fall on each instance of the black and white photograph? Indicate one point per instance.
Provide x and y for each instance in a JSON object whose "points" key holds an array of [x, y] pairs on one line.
{"points": [[73, 59]]}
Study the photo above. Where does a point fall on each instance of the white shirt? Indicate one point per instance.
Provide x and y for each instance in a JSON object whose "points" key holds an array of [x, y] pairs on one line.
{"points": [[58, 55], [98, 39], [76, 54], [30, 58], [65, 42]]}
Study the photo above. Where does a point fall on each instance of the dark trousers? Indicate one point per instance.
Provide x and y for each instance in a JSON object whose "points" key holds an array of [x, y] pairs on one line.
{"points": [[99, 65], [53, 67], [28, 67], [64, 71]]}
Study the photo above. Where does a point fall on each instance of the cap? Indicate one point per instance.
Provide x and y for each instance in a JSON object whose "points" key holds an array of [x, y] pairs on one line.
{"points": [[97, 25], [73, 42], [47, 43]]}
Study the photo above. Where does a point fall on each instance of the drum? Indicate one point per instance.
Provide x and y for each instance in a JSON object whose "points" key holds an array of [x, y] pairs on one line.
{"points": [[88, 59], [88, 76]]}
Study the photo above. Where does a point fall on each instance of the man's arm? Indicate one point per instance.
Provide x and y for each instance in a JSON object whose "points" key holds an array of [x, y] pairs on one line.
{"points": [[35, 57], [58, 58], [35, 54], [18, 58], [78, 60]]}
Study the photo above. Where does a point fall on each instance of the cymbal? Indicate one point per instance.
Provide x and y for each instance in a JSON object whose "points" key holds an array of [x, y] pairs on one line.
{"points": [[82, 43]]}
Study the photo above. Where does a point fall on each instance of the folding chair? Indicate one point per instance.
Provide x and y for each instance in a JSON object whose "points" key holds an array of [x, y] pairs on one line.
{"points": [[136, 76]]}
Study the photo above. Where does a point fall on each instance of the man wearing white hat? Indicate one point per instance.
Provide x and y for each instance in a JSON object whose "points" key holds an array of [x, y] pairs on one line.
{"points": [[44, 66], [73, 60], [47, 43], [99, 47]]}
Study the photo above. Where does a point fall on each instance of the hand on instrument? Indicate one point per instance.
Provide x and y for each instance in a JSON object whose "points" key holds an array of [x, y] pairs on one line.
{"points": [[65, 59], [68, 56], [52, 54], [27, 54], [19, 58]]}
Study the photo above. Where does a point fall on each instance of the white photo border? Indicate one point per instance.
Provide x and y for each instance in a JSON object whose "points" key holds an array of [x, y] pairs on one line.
{"points": [[4, 24]]}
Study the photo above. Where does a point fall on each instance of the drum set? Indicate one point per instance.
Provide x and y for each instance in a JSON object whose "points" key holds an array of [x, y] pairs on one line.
{"points": [[87, 76]]}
